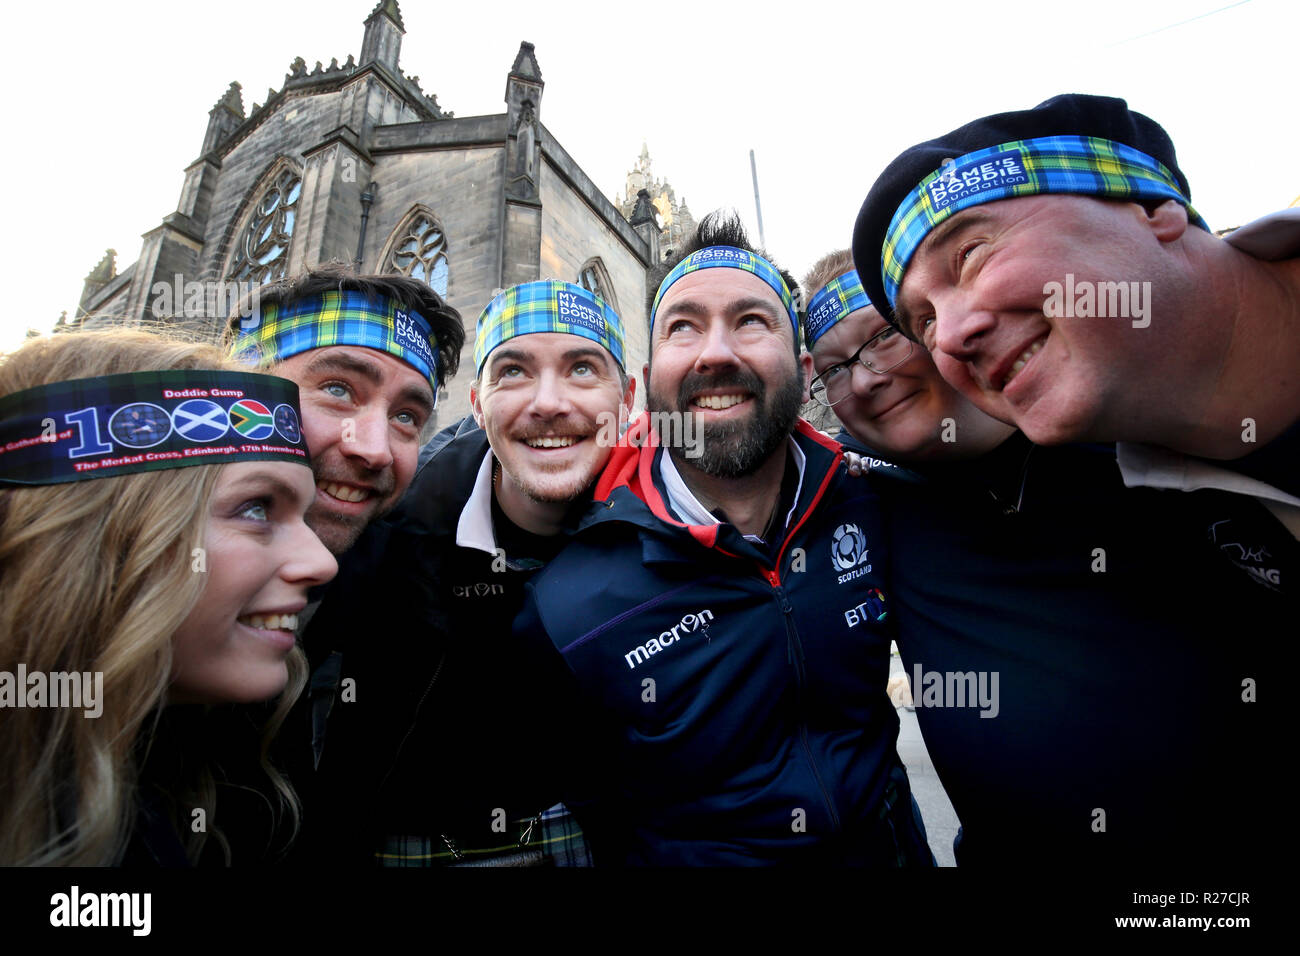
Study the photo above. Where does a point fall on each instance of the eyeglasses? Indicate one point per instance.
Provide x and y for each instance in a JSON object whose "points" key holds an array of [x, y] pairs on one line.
{"points": [[883, 352]]}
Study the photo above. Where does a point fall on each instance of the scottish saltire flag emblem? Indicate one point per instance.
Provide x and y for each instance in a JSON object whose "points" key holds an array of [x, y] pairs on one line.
{"points": [[251, 419], [286, 423], [134, 422], [200, 420], [139, 425]]}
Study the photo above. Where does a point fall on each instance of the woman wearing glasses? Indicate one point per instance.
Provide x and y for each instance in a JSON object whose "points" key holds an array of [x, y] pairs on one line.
{"points": [[885, 391], [1083, 597]]}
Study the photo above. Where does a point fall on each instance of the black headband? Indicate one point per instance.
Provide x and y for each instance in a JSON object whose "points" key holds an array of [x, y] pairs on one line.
{"points": [[146, 421]]}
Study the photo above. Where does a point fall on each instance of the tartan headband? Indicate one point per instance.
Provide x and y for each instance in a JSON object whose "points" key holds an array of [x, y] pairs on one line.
{"points": [[732, 258], [547, 306], [147, 421], [835, 300], [277, 331], [1079, 165]]}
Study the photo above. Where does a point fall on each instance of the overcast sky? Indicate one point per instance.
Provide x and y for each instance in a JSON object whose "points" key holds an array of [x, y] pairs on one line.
{"points": [[109, 102]]}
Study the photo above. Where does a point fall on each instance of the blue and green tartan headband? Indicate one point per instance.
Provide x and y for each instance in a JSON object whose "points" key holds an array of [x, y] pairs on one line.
{"points": [[277, 331], [547, 306], [1080, 165], [838, 298], [147, 421], [729, 257]]}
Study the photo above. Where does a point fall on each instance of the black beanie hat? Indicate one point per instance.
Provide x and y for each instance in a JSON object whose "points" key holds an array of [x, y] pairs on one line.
{"points": [[1070, 114]]}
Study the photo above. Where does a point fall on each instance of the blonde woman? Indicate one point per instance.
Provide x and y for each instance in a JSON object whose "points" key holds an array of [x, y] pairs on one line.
{"points": [[153, 557]]}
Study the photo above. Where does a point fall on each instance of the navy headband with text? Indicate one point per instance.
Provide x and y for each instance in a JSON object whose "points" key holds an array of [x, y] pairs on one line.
{"points": [[147, 421]]}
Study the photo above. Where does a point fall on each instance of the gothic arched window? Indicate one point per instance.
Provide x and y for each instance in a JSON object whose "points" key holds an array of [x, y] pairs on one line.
{"points": [[594, 278], [260, 254], [419, 250]]}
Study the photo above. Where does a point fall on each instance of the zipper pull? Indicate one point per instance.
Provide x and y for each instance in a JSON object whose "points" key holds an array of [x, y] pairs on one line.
{"points": [[527, 836], [451, 845]]}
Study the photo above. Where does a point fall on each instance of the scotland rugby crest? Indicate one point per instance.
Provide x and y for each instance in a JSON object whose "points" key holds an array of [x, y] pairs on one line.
{"points": [[849, 552], [848, 547]]}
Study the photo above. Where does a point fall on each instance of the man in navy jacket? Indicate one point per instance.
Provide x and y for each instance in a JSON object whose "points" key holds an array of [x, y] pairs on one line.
{"points": [[1115, 634], [720, 612]]}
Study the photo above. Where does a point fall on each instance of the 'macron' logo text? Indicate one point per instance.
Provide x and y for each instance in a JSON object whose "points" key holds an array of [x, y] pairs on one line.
{"points": [[689, 624]]}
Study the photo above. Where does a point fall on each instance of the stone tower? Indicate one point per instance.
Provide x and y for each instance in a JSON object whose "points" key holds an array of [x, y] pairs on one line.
{"points": [[355, 162], [675, 219]]}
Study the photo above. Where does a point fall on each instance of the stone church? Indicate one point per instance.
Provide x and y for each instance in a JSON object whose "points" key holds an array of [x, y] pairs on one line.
{"points": [[354, 162]]}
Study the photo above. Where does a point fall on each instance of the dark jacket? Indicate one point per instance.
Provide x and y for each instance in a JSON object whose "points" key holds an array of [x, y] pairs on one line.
{"points": [[439, 736], [1120, 638], [734, 698]]}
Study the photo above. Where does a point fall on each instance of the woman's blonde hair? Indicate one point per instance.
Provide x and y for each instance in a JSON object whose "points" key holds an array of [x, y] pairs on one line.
{"points": [[824, 270], [96, 576]]}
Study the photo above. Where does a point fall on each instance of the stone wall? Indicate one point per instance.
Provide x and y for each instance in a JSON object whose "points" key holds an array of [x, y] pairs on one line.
{"points": [[572, 233], [462, 187]]}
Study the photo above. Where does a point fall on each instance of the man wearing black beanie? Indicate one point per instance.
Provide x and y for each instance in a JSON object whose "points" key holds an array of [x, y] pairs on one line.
{"points": [[1052, 262]]}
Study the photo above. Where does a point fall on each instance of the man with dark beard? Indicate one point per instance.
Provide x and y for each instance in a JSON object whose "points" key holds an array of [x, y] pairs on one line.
{"points": [[717, 619]]}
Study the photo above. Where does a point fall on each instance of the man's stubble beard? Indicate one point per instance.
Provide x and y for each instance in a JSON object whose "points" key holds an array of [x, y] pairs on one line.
{"points": [[731, 450], [552, 487], [336, 532], [340, 532], [566, 494]]}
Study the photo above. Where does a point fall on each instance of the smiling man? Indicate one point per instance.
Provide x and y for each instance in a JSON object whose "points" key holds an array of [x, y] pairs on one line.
{"points": [[549, 358], [369, 354], [1111, 684], [1052, 262], [441, 762], [718, 618]]}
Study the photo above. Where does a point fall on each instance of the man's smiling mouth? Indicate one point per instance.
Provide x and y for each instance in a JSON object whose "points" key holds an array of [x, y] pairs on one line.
{"points": [[553, 441], [719, 402], [1021, 361], [348, 493]]}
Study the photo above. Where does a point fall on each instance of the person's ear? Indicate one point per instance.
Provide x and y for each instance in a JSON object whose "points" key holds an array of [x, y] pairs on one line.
{"points": [[1168, 221], [806, 373], [474, 405], [629, 397]]}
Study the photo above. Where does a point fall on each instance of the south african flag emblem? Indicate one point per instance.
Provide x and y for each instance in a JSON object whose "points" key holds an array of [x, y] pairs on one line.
{"points": [[252, 419]]}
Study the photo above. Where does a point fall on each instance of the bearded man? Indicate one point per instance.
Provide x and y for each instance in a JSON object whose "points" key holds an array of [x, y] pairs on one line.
{"points": [[718, 617]]}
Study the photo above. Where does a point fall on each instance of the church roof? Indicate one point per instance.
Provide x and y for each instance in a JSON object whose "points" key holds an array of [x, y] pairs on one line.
{"points": [[232, 100], [389, 9]]}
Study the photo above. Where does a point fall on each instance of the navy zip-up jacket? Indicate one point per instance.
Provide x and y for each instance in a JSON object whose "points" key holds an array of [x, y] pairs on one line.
{"points": [[737, 703], [1120, 636]]}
